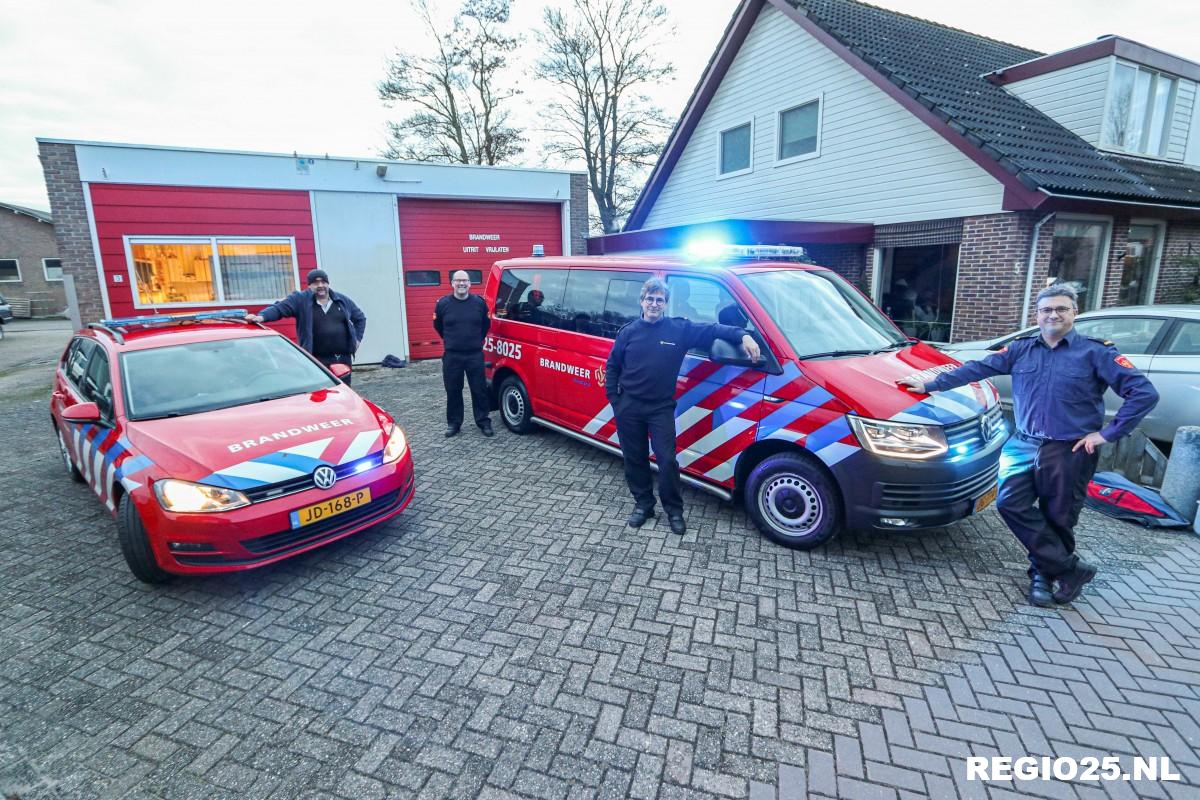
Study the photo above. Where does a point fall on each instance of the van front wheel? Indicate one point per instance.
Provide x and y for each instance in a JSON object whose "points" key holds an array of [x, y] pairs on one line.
{"points": [[514, 406], [793, 502]]}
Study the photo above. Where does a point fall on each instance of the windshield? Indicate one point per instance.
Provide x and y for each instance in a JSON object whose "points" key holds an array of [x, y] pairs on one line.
{"points": [[204, 376], [820, 314]]}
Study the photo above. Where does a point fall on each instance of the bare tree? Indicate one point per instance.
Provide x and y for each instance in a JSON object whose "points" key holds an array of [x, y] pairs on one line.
{"points": [[457, 99], [602, 56]]}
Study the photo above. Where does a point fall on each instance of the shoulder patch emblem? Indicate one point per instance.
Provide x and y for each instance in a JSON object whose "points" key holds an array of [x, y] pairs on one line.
{"points": [[1124, 362]]}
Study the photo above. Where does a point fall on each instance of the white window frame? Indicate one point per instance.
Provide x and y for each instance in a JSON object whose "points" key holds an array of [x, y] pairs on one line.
{"points": [[720, 149], [1159, 243], [1164, 145], [46, 274], [1105, 252], [218, 288], [820, 101], [16, 261]]}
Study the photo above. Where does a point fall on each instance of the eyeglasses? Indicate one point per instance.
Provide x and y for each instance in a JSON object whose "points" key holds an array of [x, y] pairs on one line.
{"points": [[1048, 310], [655, 301]]}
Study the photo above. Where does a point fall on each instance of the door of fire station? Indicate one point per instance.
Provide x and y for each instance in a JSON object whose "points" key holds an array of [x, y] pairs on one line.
{"points": [[358, 245]]}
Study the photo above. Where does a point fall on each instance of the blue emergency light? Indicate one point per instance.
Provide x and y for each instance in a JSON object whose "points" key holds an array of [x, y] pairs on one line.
{"points": [[712, 250], [160, 319]]}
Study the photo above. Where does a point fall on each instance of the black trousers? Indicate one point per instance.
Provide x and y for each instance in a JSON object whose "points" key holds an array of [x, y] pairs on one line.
{"points": [[339, 358], [637, 422], [455, 365], [1041, 498]]}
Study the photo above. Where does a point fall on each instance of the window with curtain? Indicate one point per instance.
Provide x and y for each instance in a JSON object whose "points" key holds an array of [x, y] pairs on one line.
{"points": [[211, 270]]}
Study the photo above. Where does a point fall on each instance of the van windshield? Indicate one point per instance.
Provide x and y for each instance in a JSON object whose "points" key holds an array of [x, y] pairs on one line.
{"points": [[820, 314]]}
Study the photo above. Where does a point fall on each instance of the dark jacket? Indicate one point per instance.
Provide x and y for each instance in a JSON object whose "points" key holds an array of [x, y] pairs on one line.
{"points": [[462, 324], [300, 305], [646, 357]]}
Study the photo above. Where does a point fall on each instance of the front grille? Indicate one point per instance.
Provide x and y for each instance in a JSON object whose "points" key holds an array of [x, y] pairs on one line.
{"points": [[305, 482], [969, 432], [917, 495]]}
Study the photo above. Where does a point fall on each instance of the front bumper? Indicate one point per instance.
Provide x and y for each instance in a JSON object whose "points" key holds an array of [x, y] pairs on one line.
{"points": [[921, 494], [261, 533]]}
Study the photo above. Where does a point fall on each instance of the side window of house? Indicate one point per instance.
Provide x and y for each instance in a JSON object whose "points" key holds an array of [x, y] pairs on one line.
{"points": [[97, 383], [532, 295], [735, 149], [77, 359], [598, 303], [706, 301]]}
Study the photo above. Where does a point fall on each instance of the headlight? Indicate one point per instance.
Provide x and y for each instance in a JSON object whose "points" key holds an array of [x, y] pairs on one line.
{"points": [[396, 444], [899, 439], [184, 496]]}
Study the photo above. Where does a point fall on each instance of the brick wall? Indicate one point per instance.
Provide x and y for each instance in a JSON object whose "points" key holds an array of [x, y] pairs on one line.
{"points": [[1175, 275], [30, 240], [71, 225], [851, 261], [992, 266], [579, 214]]}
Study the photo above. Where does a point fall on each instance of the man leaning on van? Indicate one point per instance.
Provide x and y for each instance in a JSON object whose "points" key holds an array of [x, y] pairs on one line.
{"points": [[640, 385]]}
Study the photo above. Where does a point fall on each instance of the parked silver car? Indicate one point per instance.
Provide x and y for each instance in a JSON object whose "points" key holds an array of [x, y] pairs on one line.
{"points": [[1162, 341]]}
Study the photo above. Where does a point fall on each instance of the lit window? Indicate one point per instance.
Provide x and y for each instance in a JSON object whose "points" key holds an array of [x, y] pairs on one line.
{"points": [[211, 271], [798, 130], [735, 149], [1140, 106]]}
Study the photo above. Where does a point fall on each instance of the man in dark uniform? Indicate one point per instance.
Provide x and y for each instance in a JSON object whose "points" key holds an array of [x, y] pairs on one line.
{"points": [[462, 320], [1059, 378], [640, 384], [328, 324]]}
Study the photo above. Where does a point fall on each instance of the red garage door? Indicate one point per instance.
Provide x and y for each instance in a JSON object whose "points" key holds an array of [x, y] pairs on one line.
{"points": [[438, 237]]}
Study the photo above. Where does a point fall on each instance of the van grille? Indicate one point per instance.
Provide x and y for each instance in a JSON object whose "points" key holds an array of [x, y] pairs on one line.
{"points": [[914, 495], [970, 432]]}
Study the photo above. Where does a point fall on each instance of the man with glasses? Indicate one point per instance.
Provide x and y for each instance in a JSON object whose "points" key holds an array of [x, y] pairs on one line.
{"points": [[640, 384], [462, 320], [1059, 378]]}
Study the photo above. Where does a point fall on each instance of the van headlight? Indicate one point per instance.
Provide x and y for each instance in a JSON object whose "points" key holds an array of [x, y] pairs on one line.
{"points": [[899, 439], [197, 498], [396, 444]]}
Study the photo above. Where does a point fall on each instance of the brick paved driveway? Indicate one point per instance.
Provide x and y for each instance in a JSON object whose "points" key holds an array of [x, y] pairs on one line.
{"points": [[508, 636]]}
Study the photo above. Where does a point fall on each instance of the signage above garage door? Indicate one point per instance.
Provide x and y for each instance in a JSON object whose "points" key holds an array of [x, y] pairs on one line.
{"points": [[438, 237]]}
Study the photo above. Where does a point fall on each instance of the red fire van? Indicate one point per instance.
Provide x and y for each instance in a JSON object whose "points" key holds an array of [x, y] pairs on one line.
{"points": [[816, 437]]}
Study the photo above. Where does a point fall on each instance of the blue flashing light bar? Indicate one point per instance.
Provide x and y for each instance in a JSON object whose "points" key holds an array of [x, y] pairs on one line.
{"points": [[162, 319], [712, 250]]}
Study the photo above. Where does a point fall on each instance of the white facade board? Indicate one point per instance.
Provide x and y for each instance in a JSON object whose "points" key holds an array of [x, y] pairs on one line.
{"points": [[878, 163], [1073, 97], [358, 247], [1181, 120]]}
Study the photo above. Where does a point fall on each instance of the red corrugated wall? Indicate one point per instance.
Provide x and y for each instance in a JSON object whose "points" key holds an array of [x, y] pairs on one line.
{"points": [[131, 210], [434, 233]]}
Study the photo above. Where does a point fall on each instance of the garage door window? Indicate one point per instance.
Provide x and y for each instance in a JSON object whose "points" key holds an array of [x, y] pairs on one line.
{"points": [[476, 275], [423, 277], [211, 270]]}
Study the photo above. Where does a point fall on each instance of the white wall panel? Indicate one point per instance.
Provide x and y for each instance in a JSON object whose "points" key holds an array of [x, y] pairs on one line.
{"points": [[1073, 97]]}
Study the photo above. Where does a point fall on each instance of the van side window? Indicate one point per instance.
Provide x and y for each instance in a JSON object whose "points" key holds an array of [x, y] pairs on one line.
{"points": [[97, 383], [705, 301], [598, 303], [77, 359], [532, 295]]}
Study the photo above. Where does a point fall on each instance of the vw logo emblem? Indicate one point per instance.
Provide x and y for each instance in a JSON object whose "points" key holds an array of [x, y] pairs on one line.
{"points": [[985, 427], [324, 477]]}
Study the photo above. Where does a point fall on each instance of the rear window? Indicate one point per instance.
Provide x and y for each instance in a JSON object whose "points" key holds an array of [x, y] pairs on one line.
{"points": [[205, 376]]}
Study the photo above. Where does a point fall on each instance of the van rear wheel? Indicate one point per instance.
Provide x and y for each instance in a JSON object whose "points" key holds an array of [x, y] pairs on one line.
{"points": [[515, 410], [793, 502]]}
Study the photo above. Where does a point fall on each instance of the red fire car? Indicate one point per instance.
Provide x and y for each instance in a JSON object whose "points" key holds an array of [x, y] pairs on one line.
{"points": [[219, 445]]}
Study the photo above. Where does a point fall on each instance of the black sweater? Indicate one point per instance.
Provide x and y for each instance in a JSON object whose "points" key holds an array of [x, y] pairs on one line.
{"points": [[462, 324], [646, 357]]}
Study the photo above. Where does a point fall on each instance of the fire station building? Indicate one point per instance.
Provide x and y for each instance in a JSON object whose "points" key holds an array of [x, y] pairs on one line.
{"points": [[144, 230]]}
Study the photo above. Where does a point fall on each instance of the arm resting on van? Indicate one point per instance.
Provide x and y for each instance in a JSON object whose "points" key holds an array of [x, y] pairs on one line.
{"points": [[999, 363]]}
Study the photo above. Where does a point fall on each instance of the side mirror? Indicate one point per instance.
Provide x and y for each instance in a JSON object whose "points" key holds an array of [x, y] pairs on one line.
{"points": [[81, 413], [340, 370], [723, 352]]}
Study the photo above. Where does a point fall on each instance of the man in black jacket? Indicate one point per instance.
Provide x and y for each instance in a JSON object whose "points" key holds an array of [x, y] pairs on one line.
{"points": [[328, 325], [640, 384], [462, 320]]}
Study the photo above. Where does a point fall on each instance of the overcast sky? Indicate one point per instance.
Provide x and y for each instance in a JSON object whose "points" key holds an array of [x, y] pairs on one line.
{"points": [[283, 77]]}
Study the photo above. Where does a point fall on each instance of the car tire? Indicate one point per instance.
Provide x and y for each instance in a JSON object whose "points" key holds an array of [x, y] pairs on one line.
{"points": [[135, 545], [515, 410], [793, 501], [65, 453]]}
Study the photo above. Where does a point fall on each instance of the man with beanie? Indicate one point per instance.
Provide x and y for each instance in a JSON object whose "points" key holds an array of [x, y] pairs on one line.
{"points": [[328, 325], [462, 320]]}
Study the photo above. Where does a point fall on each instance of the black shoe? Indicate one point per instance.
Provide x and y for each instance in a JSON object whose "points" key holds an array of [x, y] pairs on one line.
{"points": [[486, 429], [1070, 584], [451, 430], [1039, 591], [637, 518], [678, 526]]}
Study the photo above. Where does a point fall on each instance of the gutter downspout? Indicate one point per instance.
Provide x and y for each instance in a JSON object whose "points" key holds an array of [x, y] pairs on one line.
{"points": [[1037, 230]]}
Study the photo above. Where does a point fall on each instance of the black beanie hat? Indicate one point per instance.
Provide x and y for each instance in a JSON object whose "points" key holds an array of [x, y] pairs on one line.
{"points": [[315, 274]]}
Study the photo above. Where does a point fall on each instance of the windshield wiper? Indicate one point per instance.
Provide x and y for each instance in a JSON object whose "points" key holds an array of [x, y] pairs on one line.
{"points": [[833, 353], [167, 415], [894, 346]]}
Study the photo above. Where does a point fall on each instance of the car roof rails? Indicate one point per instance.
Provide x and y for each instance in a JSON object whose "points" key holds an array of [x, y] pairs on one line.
{"points": [[120, 325]]}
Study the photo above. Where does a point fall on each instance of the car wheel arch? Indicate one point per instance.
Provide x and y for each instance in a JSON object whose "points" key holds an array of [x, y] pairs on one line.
{"points": [[763, 449]]}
